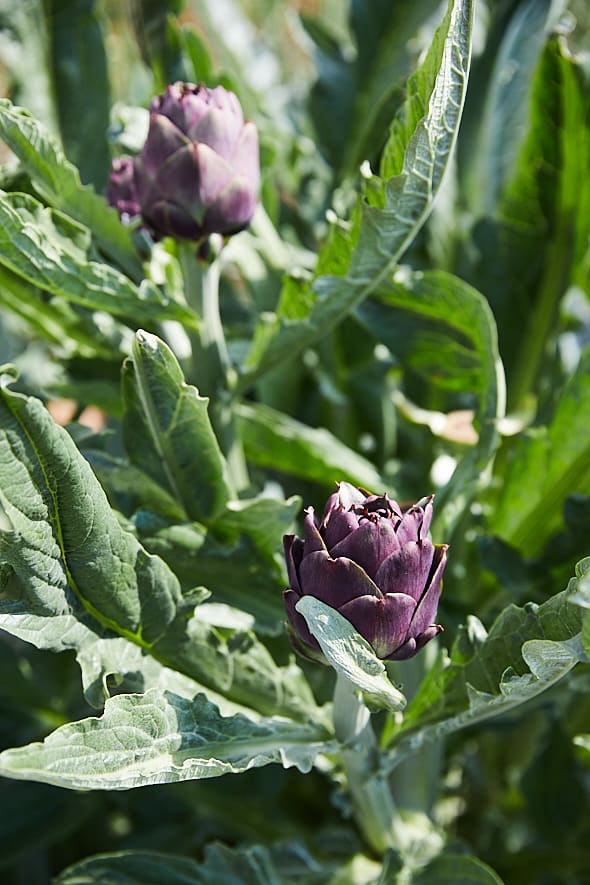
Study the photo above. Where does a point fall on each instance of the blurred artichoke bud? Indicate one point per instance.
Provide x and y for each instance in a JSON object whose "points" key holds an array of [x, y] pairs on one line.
{"points": [[375, 565], [198, 172], [121, 190]]}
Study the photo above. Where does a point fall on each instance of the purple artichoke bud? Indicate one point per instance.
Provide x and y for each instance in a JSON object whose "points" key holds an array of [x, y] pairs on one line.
{"points": [[198, 172], [121, 191], [373, 563]]}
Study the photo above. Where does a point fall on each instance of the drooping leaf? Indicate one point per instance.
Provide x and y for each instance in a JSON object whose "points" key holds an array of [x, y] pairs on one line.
{"points": [[159, 737], [168, 433], [58, 182], [350, 654], [443, 330], [395, 207]]}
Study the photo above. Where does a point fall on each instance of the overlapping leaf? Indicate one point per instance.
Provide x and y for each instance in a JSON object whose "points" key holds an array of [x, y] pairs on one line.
{"points": [[58, 182], [77, 580], [395, 207], [527, 650], [50, 251]]}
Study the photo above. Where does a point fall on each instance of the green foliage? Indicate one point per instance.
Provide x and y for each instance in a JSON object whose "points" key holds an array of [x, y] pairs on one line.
{"points": [[143, 633]]}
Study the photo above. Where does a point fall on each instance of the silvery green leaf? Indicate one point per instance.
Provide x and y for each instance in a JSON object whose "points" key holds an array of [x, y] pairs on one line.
{"points": [[157, 738], [526, 651], [350, 654]]}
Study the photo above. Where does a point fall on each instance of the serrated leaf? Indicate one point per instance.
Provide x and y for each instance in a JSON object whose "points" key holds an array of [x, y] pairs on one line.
{"points": [[79, 581], [350, 654], [167, 430], [49, 250], [159, 738], [527, 650], [275, 440], [58, 182], [395, 208], [443, 329]]}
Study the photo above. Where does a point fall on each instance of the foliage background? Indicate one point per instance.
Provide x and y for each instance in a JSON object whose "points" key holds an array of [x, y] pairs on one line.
{"points": [[399, 391]]}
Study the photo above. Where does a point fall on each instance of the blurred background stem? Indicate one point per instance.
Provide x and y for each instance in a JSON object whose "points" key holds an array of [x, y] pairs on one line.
{"points": [[211, 369]]}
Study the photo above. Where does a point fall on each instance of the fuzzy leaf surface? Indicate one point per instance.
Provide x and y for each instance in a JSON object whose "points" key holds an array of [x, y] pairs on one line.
{"points": [[159, 738]]}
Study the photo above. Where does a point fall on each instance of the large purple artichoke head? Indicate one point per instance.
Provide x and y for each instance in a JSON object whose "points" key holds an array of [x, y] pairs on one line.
{"points": [[375, 565], [199, 171]]}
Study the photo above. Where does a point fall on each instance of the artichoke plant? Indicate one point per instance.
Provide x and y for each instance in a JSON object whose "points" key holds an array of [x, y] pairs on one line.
{"points": [[198, 172], [375, 565]]}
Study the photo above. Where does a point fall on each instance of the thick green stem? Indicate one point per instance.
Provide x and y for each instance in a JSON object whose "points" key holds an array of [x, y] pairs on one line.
{"points": [[211, 366], [372, 802]]}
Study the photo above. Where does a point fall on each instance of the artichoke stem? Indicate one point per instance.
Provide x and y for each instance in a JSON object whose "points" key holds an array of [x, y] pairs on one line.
{"points": [[372, 802], [211, 366]]}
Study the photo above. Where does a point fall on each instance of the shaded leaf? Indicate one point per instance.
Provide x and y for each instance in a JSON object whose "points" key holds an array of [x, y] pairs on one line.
{"points": [[456, 869], [78, 56], [274, 440], [444, 330], [545, 466]]}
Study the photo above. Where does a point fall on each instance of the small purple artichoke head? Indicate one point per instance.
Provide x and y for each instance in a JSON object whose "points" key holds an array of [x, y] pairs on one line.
{"points": [[199, 171], [375, 565], [121, 190]]}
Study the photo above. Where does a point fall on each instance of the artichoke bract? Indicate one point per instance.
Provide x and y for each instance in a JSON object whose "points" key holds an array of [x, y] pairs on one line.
{"points": [[375, 565], [199, 170]]}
